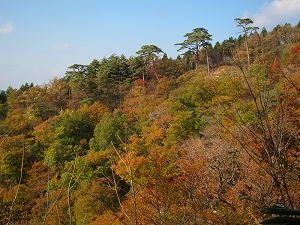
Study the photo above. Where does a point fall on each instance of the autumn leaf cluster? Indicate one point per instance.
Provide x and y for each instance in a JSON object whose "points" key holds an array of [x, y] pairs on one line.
{"points": [[154, 140]]}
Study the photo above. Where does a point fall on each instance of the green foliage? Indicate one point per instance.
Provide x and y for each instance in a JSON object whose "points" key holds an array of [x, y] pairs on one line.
{"points": [[87, 101], [243, 22], [11, 158], [9, 167], [26, 86], [171, 68], [149, 55], [112, 130], [188, 105], [185, 123], [149, 52], [264, 32], [3, 97], [195, 40], [3, 111], [111, 81], [72, 127], [140, 140], [135, 67], [115, 67], [57, 154], [195, 89], [71, 133], [285, 57]]}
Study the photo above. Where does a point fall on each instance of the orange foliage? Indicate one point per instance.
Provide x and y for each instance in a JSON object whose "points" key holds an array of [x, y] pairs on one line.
{"points": [[95, 111], [275, 70], [295, 49], [294, 57], [128, 165], [83, 141], [43, 132], [108, 218], [138, 83], [130, 107]]}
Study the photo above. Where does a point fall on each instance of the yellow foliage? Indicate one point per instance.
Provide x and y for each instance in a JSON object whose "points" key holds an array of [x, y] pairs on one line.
{"points": [[95, 111], [128, 165], [97, 158], [108, 218]]}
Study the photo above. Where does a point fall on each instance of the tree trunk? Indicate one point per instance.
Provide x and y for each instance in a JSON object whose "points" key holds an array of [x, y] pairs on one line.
{"points": [[207, 61]]}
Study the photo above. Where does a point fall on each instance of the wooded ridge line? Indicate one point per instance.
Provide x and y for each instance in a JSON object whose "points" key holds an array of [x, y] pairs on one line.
{"points": [[211, 137]]}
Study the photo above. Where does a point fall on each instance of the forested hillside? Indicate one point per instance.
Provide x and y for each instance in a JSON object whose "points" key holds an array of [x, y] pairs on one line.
{"points": [[211, 137]]}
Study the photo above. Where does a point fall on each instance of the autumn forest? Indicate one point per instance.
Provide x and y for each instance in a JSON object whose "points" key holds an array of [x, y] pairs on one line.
{"points": [[211, 137]]}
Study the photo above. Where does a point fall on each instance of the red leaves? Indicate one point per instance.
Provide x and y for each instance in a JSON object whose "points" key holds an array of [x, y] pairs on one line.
{"points": [[295, 49], [294, 57]]}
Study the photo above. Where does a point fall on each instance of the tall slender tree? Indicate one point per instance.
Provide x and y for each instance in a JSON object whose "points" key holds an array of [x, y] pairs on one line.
{"points": [[149, 54], [244, 24], [196, 40]]}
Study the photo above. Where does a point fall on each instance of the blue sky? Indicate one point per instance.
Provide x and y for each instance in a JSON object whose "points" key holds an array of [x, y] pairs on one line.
{"points": [[39, 39]]}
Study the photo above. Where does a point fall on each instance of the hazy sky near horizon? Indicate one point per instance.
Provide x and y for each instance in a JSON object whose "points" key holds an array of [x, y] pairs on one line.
{"points": [[39, 39]]}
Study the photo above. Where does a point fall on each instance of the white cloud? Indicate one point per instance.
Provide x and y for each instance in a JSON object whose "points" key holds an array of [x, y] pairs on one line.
{"points": [[54, 72], [6, 28], [64, 46], [277, 11]]}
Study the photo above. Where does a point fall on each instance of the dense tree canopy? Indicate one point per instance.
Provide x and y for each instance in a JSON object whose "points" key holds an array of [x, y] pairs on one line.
{"points": [[154, 140]]}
